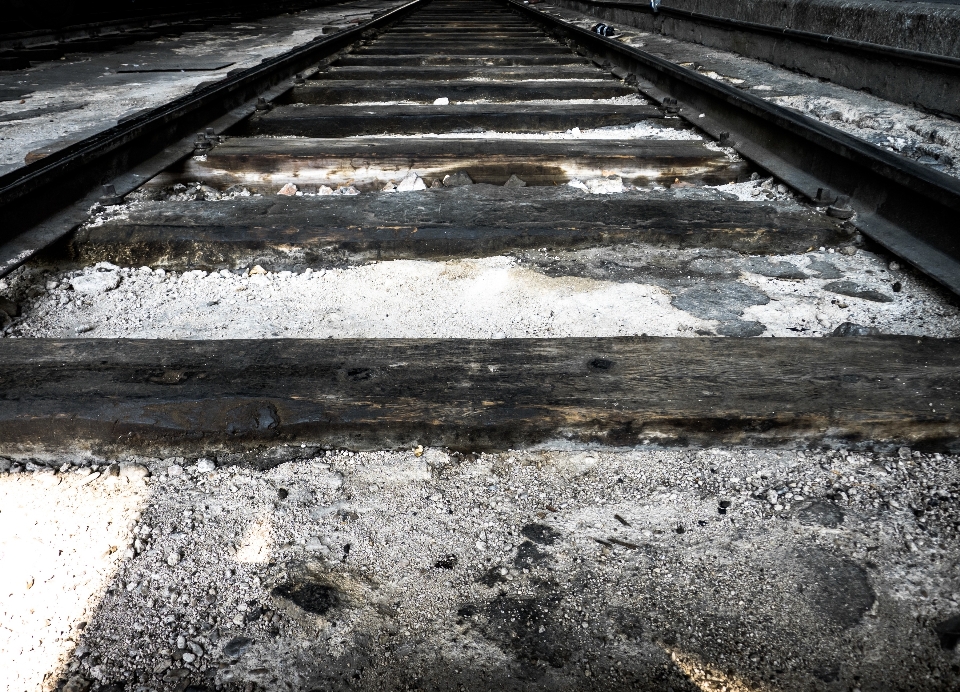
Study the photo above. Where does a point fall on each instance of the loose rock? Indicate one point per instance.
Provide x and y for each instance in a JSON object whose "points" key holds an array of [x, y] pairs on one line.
{"points": [[851, 329], [205, 465], [457, 179], [411, 182], [855, 290], [77, 683], [95, 283]]}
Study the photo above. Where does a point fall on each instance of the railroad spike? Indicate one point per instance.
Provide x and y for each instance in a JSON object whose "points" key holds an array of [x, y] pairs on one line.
{"points": [[110, 197], [825, 196], [841, 208], [202, 142]]}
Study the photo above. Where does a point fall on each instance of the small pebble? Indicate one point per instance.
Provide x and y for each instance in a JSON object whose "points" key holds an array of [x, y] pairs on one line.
{"points": [[205, 465]]}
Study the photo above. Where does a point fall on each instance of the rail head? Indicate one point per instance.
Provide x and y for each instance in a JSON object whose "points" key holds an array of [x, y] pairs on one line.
{"points": [[36, 191], [905, 206], [946, 63]]}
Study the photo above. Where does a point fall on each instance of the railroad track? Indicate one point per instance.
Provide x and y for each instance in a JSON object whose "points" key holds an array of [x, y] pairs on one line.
{"points": [[376, 151], [913, 77], [112, 27]]}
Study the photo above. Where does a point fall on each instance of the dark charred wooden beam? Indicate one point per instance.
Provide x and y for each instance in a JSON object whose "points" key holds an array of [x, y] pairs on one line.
{"points": [[457, 49], [453, 72], [502, 59], [447, 31], [266, 165], [351, 120], [285, 233], [479, 394], [463, 47], [484, 34], [361, 91]]}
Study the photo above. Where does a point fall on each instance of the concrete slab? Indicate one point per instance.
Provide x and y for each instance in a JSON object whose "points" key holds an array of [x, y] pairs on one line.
{"points": [[928, 26]]}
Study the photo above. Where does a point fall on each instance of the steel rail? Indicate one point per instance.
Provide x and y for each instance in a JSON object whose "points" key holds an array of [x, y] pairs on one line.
{"points": [[908, 208], [926, 81], [60, 181], [22, 50], [874, 50], [20, 40]]}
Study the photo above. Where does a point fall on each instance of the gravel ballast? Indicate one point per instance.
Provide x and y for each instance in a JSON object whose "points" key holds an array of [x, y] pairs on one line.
{"points": [[613, 291], [298, 568]]}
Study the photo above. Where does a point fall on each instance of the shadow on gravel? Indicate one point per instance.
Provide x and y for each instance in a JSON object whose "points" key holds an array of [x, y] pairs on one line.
{"points": [[323, 627], [226, 590]]}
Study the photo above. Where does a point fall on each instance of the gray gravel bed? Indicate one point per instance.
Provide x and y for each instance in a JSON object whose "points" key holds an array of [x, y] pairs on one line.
{"points": [[298, 568], [931, 140]]}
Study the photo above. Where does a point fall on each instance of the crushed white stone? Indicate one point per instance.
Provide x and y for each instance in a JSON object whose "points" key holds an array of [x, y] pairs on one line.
{"points": [[644, 129], [492, 297], [480, 298], [64, 536]]}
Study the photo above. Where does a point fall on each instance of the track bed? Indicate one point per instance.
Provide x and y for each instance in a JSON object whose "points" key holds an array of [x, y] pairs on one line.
{"points": [[468, 359]]}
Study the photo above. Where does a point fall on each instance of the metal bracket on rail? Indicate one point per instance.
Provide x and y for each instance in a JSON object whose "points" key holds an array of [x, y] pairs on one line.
{"points": [[206, 140], [110, 197]]}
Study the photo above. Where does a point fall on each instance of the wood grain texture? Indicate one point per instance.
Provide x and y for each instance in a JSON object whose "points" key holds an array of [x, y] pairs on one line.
{"points": [[347, 121], [452, 72], [492, 48], [502, 59], [362, 91], [452, 31], [466, 42], [482, 36], [480, 394], [284, 232], [266, 165]]}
